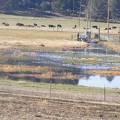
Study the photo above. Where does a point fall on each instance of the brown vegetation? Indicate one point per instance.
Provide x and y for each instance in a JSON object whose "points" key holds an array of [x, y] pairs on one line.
{"points": [[104, 72]]}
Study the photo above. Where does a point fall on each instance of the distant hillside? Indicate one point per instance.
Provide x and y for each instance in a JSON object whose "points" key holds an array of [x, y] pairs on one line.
{"points": [[61, 7]]}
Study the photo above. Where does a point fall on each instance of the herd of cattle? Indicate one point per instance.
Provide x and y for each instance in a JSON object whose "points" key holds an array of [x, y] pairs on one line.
{"points": [[34, 25], [58, 26], [113, 27]]}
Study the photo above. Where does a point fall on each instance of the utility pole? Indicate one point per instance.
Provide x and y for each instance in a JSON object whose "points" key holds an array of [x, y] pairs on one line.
{"points": [[108, 18], [90, 14], [73, 10], [87, 18], [99, 32], [104, 93], [80, 3], [119, 34]]}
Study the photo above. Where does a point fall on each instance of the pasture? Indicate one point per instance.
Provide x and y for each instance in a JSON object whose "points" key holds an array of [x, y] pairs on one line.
{"points": [[39, 61], [68, 23]]}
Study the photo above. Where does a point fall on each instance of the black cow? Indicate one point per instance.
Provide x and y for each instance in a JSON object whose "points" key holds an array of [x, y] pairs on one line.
{"points": [[29, 26], [107, 28], [43, 26], [95, 26], [51, 26], [20, 24], [35, 24], [59, 26], [5, 24], [74, 27], [114, 27]]}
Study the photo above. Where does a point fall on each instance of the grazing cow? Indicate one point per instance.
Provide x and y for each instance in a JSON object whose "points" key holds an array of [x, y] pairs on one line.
{"points": [[29, 26], [20, 24], [43, 26], [35, 24], [51, 26], [42, 45], [107, 28], [59, 26], [114, 27], [74, 27], [95, 26], [5, 24]]}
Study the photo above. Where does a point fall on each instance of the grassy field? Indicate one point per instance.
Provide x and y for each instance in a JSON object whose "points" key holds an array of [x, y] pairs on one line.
{"points": [[59, 87], [67, 22], [115, 46], [12, 35], [31, 38], [85, 61]]}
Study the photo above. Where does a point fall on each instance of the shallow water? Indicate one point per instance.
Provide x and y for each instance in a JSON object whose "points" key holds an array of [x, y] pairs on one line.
{"points": [[99, 81], [56, 60]]}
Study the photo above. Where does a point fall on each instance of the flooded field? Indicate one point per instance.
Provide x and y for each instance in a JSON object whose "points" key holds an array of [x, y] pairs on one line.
{"points": [[72, 66]]}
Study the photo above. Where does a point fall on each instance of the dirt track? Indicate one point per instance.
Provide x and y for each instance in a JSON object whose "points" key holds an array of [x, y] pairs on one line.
{"points": [[25, 104]]}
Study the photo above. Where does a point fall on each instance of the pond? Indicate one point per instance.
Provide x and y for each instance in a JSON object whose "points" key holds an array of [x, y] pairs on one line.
{"points": [[100, 81]]}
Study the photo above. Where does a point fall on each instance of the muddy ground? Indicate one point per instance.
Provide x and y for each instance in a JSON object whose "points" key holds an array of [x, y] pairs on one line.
{"points": [[27, 104]]}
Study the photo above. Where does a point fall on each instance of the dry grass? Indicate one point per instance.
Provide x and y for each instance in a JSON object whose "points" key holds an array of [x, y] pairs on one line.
{"points": [[104, 72], [22, 68], [38, 72], [37, 39], [34, 34], [115, 46], [48, 75]]}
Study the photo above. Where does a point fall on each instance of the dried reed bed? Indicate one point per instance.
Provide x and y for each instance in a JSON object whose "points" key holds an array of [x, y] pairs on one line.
{"points": [[104, 72], [22, 68]]}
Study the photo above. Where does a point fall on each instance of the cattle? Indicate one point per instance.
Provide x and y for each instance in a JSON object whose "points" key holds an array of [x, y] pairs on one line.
{"points": [[5, 24], [43, 26], [74, 27], [35, 24], [29, 26], [114, 27], [51, 26], [42, 45], [95, 26], [20, 24], [59, 26], [107, 28]]}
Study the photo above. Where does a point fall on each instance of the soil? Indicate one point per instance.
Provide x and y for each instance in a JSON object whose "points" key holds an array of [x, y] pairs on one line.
{"points": [[27, 104]]}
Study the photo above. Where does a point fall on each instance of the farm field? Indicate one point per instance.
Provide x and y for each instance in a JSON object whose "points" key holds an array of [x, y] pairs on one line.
{"points": [[45, 73]]}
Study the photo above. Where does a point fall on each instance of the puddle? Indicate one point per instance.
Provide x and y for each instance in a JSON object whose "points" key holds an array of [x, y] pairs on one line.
{"points": [[99, 81]]}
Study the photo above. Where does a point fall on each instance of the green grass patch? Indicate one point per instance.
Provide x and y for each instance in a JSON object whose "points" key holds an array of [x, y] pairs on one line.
{"points": [[88, 57], [84, 61], [59, 87]]}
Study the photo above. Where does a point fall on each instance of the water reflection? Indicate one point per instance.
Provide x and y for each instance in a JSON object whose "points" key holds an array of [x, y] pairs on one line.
{"points": [[98, 81]]}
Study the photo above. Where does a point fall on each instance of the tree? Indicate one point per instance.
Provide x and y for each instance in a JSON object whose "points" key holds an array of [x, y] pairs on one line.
{"points": [[115, 5], [99, 9]]}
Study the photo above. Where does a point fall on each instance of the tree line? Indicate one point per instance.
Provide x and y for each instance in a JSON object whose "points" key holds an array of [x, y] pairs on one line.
{"points": [[66, 7]]}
